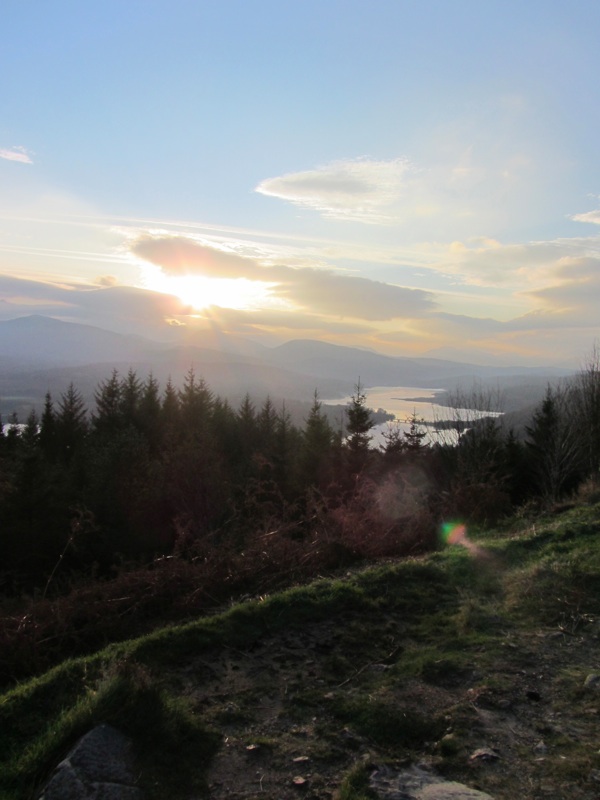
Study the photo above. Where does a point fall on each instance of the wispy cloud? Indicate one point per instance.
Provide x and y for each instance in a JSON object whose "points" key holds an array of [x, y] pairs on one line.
{"points": [[491, 263], [360, 189], [588, 216], [16, 154], [464, 189]]}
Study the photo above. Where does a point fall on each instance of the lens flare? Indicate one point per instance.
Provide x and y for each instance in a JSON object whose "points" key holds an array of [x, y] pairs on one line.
{"points": [[453, 532]]}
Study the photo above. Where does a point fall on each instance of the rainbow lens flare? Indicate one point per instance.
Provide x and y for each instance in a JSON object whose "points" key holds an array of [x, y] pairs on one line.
{"points": [[453, 532]]}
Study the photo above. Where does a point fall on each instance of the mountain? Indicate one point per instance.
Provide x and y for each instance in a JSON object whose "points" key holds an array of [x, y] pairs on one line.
{"points": [[43, 341], [373, 369], [40, 354]]}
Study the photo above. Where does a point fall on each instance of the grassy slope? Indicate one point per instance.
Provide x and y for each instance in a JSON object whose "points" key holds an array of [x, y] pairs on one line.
{"points": [[423, 660]]}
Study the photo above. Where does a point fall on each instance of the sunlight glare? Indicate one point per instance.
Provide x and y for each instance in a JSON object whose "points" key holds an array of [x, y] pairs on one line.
{"points": [[202, 292]]}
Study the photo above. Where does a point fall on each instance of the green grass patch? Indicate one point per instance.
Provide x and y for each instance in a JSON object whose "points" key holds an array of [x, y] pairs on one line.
{"points": [[355, 785], [163, 728], [385, 723]]}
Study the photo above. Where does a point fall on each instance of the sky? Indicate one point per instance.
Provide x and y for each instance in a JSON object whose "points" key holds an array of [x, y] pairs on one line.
{"points": [[419, 178]]}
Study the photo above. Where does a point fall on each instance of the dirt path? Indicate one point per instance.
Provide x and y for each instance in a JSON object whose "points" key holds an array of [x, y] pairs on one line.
{"points": [[296, 713]]}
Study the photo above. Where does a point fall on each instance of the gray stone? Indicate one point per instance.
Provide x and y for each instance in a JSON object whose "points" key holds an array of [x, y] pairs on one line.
{"points": [[100, 767], [592, 681], [418, 784], [484, 754], [115, 791], [64, 785]]}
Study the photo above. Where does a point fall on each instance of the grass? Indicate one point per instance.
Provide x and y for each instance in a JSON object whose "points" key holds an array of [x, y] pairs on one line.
{"points": [[385, 722], [355, 785], [435, 620], [124, 694]]}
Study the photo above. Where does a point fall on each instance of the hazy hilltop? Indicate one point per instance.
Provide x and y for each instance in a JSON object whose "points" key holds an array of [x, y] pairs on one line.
{"points": [[40, 354]]}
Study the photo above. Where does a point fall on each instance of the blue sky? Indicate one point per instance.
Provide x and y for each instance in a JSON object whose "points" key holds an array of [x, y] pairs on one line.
{"points": [[421, 178]]}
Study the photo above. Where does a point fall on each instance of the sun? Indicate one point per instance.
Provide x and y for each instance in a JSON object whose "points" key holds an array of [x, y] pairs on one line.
{"points": [[201, 292], [240, 294]]}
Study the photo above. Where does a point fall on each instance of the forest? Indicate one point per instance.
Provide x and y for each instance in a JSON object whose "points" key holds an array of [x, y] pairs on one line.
{"points": [[160, 501]]}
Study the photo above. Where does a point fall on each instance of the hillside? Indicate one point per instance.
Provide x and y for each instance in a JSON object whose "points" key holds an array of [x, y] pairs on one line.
{"points": [[476, 661]]}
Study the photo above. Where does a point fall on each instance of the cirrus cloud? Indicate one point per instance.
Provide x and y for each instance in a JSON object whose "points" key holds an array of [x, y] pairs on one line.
{"points": [[360, 189], [16, 154]]}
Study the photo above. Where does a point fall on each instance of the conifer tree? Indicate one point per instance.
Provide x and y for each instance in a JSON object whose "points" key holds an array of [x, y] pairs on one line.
{"points": [[316, 443], [195, 403], [415, 436], [149, 411], [554, 445], [359, 422], [31, 432], [285, 446], [47, 439], [358, 437], [108, 417], [71, 423], [247, 434], [170, 410], [267, 426], [130, 399], [586, 406]]}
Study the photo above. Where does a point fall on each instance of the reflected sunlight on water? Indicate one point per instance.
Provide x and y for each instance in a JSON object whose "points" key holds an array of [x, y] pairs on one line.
{"points": [[403, 402]]}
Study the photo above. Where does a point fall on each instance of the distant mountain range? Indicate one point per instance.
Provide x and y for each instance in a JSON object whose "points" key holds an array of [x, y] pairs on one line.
{"points": [[39, 353]]}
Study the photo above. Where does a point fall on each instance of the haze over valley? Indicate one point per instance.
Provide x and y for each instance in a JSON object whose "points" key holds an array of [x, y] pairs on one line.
{"points": [[39, 354]]}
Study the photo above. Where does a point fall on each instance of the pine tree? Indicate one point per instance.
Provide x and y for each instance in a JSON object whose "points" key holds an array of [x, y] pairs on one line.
{"points": [[356, 452], [149, 411], [130, 399], [170, 409], [554, 445], [71, 423], [285, 446], [587, 407], [316, 444], [196, 403], [359, 423], [108, 417], [31, 432], [48, 442], [267, 425], [415, 435]]}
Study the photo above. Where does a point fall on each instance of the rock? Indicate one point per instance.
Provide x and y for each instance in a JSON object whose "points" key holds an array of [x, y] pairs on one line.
{"points": [[592, 681], [418, 784], [484, 754], [99, 767], [540, 748]]}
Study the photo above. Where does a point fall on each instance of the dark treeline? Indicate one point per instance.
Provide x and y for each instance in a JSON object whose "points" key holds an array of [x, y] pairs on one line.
{"points": [[151, 472], [155, 472]]}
